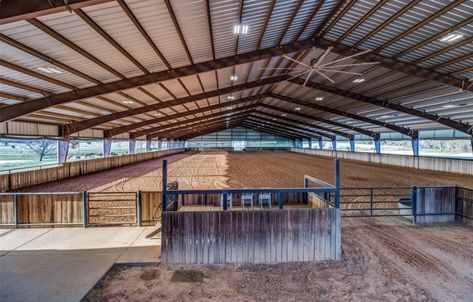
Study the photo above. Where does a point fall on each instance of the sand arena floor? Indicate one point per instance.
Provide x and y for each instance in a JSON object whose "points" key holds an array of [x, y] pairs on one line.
{"points": [[383, 259]]}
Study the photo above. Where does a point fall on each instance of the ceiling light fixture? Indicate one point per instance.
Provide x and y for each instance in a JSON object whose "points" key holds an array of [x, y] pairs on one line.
{"points": [[240, 29], [387, 116], [297, 108], [231, 97], [283, 114], [358, 80], [229, 108], [128, 102], [453, 105], [451, 37], [319, 98], [50, 70], [233, 77]]}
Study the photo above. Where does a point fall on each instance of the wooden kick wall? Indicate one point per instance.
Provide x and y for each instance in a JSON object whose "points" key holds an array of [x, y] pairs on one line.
{"points": [[464, 206], [260, 236], [434, 200], [25, 179], [417, 162]]}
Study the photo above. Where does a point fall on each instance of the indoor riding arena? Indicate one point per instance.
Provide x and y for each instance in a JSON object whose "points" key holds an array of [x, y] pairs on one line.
{"points": [[236, 150]]}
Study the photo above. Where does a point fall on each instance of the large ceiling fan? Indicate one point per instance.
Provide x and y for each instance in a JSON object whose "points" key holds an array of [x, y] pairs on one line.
{"points": [[318, 67]]}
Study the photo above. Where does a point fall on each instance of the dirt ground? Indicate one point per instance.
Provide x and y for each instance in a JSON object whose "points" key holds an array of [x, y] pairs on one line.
{"points": [[383, 259], [258, 169]]}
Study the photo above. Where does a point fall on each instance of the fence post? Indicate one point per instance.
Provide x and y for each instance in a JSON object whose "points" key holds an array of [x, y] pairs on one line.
{"points": [[165, 184], [15, 210], [224, 201], [414, 204], [280, 201], [138, 208], [337, 183], [371, 201], [84, 209]]}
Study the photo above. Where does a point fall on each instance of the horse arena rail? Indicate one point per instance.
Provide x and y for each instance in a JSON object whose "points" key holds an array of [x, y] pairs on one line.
{"points": [[18, 180]]}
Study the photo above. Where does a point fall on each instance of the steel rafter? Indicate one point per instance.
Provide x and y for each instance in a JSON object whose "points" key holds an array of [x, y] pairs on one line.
{"points": [[193, 120], [178, 135], [402, 130], [463, 127], [282, 128], [275, 130]]}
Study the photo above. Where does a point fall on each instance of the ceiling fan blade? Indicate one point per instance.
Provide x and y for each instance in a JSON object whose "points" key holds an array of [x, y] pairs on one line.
{"points": [[295, 61], [274, 68], [340, 71], [308, 77], [354, 64], [322, 57], [349, 57], [320, 73], [295, 76]]}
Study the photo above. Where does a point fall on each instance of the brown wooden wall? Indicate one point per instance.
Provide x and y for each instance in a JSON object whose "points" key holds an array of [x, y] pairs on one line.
{"points": [[431, 200], [42, 210], [260, 236], [151, 209], [20, 180], [464, 205]]}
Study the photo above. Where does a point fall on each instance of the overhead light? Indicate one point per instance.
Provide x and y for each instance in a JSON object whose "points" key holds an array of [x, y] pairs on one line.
{"points": [[451, 37], [297, 108], [233, 77], [231, 97], [128, 102], [283, 114], [158, 114], [453, 105], [50, 70], [229, 108], [387, 116], [358, 80], [274, 118], [319, 98], [240, 29]]}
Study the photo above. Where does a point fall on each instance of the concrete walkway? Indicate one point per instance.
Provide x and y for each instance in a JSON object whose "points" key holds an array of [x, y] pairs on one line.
{"points": [[63, 264]]}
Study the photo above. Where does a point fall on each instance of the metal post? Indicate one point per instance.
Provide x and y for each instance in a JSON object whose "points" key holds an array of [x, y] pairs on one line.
{"points": [[371, 201], [182, 197], [84, 209], [15, 210], [414, 204], [352, 144], [415, 146], [224, 201], [334, 144], [280, 201], [165, 184], [138, 208], [377, 146], [321, 144], [337, 183]]}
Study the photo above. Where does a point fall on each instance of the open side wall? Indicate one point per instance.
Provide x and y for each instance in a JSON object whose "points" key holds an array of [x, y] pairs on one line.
{"points": [[427, 163]]}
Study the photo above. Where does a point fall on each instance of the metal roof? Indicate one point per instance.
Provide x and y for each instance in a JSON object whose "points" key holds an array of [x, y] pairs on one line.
{"points": [[94, 43]]}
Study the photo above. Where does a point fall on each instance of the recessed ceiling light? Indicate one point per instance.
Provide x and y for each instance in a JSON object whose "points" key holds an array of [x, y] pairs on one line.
{"points": [[128, 102], [283, 114], [451, 37], [274, 119], [50, 70], [297, 108], [240, 29], [358, 80], [229, 108], [231, 97], [453, 105], [233, 77], [319, 98], [387, 116]]}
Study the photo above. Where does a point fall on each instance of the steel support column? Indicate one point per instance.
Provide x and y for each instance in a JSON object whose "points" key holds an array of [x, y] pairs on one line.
{"points": [[62, 150], [377, 146], [131, 146], [160, 144], [107, 146], [352, 144], [321, 144], [334, 144], [310, 143], [148, 145], [415, 146]]}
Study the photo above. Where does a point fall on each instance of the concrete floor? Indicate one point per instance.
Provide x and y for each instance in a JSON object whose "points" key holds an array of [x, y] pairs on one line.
{"points": [[63, 264]]}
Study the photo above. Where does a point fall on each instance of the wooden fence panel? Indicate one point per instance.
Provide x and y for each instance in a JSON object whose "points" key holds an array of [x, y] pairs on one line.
{"points": [[49, 209], [464, 206], [7, 212], [260, 236], [435, 200], [151, 209], [25, 179]]}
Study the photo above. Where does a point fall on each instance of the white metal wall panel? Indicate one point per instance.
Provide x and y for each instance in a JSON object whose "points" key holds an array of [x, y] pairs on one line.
{"points": [[22, 128]]}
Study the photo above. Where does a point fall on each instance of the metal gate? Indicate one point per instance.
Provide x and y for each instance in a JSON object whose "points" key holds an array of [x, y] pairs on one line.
{"points": [[112, 208]]}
